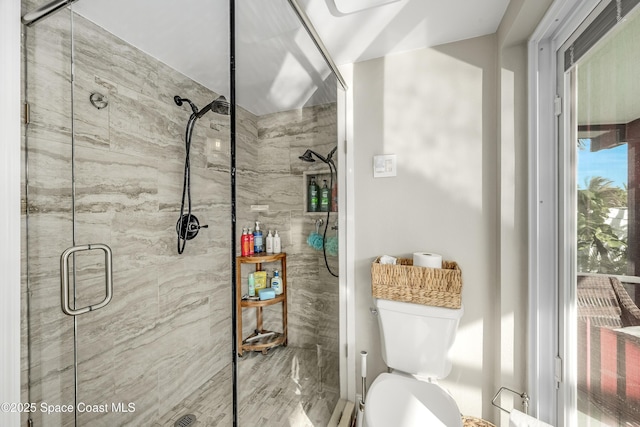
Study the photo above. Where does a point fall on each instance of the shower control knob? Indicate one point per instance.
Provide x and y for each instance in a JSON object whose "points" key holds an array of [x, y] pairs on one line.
{"points": [[188, 226]]}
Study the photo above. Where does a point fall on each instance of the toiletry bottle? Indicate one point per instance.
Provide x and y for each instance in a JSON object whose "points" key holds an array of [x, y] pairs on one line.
{"points": [[244, 243], [257, 239], [252, 286], [334, 197], [313, 195], [251, 247], [247, 243], [276, 283], [269, 243], [276, 243], [325, 198]]}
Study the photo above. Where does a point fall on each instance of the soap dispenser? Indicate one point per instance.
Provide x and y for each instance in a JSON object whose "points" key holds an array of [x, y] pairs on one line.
{"points": [[276, 283], [257, 239]]}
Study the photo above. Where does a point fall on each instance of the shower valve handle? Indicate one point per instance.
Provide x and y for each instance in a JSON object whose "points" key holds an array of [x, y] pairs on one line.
{"points": [[193, 227], [187, 228]]}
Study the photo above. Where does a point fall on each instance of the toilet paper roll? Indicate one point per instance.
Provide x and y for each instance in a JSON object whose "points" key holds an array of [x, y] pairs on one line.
{"points": [[427, 259]]}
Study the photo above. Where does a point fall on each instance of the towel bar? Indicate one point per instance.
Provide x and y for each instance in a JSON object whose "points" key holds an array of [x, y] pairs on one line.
{"points": [[523, 395]]}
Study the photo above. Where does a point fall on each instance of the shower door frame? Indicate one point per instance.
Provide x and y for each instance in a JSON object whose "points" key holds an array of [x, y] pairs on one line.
{"points": [[10, 171], [345, 177]]}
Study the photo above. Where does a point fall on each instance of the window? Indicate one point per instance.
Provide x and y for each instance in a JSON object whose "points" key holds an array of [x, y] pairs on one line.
{"points": [[600, 216]]}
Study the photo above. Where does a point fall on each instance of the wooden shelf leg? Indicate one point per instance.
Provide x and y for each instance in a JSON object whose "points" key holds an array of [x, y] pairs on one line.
{"points": [[259, 319], [239, 311]]}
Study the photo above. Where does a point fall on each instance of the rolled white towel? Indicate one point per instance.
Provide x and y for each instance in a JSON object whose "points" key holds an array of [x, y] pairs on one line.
{"points": [[386, 259], [519, 419]]}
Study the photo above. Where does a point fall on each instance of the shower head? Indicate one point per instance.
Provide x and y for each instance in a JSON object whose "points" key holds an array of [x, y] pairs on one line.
{"points": [[219, 106], [307, 156]]}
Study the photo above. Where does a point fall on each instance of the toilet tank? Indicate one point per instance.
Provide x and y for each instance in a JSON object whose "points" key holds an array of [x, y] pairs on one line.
{"points": [[416, 338]]}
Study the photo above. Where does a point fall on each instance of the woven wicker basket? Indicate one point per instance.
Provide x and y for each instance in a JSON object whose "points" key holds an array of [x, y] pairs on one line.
{"points": [[440, 287]]}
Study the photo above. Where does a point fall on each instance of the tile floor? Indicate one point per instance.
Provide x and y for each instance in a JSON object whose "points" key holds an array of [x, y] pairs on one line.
{"points": [[284, 388]]}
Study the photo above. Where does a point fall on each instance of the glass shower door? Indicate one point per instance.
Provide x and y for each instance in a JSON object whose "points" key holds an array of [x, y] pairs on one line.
{"points": [[106, 153], [47, 333], [287, 133]]}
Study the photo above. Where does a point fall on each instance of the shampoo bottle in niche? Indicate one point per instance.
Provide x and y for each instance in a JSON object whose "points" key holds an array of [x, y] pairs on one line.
{"points": [[312, 196], [325, 198], [276, 283], [276, 244], [257, 239], [334, 197], [269, 245]]}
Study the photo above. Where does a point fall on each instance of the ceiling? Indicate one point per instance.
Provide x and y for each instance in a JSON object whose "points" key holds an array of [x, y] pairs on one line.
{"points": [[277, 66], [353, 32]]}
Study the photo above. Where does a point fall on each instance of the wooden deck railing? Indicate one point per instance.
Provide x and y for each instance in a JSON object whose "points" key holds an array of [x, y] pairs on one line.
{"points": [[609, 370], [609, 349]]}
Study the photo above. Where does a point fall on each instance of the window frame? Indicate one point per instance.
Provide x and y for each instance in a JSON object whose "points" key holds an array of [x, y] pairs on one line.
{"points": [[546, 378]]}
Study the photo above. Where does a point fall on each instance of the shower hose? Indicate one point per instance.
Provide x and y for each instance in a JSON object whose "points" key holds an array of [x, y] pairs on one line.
{"points": [[185, 219]]}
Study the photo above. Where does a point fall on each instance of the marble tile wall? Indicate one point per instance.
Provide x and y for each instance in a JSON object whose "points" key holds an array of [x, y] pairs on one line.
{"points": [[167, 330], [274, 177]]}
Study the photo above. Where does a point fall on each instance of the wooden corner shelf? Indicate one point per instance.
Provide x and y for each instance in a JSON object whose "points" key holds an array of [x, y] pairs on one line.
{"points": [[276, 300], [269, 339]]}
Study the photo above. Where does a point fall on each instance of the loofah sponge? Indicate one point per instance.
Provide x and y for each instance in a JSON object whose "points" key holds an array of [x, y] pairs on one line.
{"points": [[315, 241], [332, 246]]}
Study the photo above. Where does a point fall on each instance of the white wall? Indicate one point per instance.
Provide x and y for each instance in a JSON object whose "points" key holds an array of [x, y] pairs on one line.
{"points": [[455, 116], [510, 362], [436, 110], [520, 20]]}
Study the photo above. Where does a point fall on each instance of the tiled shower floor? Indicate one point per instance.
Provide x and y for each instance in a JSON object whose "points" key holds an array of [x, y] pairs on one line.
{"points": [[281, 388]]}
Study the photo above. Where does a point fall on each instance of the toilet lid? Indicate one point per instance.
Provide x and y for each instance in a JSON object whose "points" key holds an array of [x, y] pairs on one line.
{"points": [[398, 401]]}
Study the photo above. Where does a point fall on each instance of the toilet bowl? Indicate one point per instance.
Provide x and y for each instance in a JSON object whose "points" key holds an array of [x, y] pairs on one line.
{"points": [[394, 400], [416, 340]]}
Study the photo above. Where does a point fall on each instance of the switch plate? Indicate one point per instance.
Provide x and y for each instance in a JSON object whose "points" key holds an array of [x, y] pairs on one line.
{"points": [[384, 166]]}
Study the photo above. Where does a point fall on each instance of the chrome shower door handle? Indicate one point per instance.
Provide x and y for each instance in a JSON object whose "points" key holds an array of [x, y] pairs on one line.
{"points": [[64, 278]]}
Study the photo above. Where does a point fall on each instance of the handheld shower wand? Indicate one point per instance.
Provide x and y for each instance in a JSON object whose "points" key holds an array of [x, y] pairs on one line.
{"points": [[188, 225], [220, 105]]}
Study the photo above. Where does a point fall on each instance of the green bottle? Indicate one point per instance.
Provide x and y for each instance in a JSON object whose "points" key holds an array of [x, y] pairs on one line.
{"points": [[325, 198], [313, 195]]}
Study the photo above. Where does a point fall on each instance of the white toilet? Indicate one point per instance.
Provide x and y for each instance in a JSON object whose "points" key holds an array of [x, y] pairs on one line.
{"points": [[415, 344]]}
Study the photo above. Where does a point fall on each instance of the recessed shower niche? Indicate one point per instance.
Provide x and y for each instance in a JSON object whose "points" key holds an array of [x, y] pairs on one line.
{"points": [[312, 201]]}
